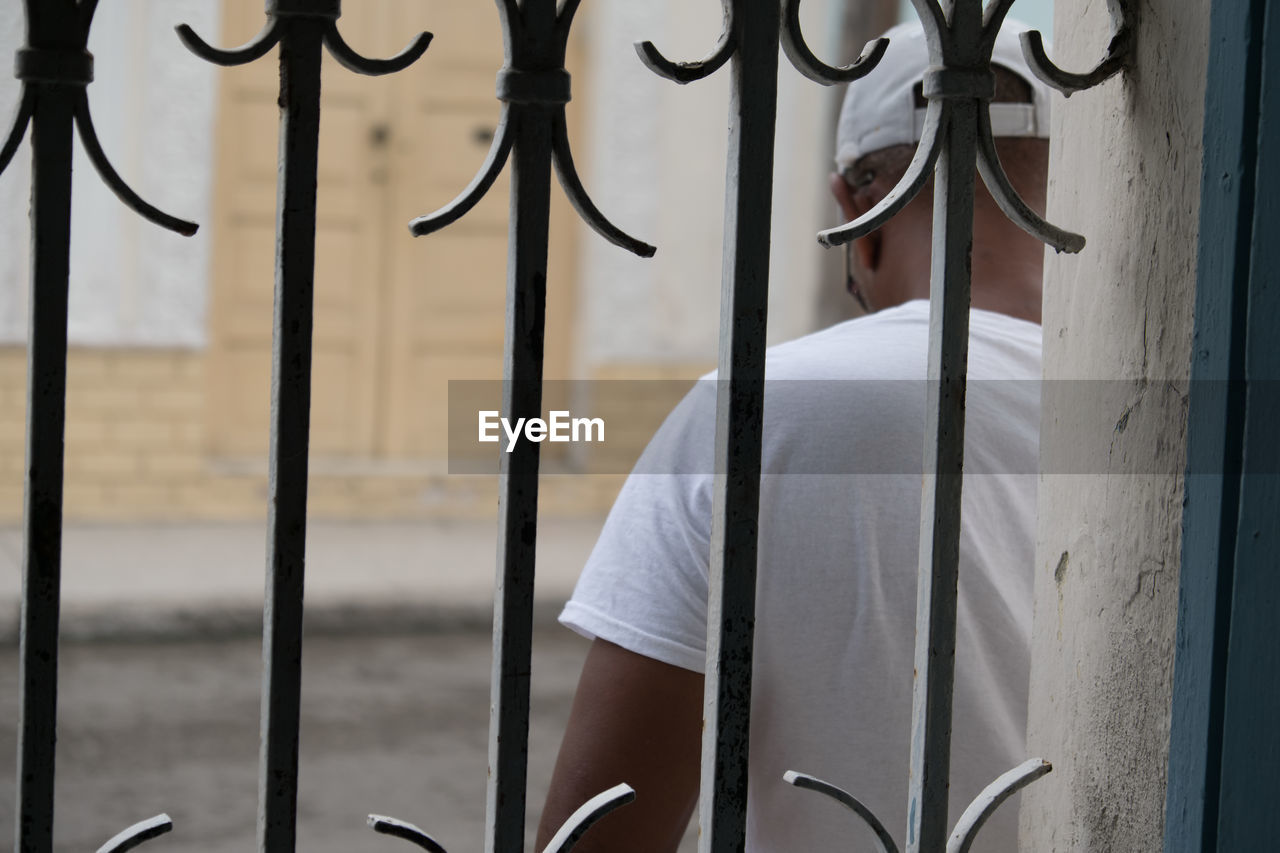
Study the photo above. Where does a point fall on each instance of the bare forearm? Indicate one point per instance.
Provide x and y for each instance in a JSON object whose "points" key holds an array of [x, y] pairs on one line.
{"points": [[638, 721]]}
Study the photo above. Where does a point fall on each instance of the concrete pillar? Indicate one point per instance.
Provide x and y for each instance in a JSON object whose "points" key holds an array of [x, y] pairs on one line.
{"points": [[1125, 169]]}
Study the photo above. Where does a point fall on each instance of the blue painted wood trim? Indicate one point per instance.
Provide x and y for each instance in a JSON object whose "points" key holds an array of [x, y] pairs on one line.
{"points": [[1249, 796], [1215, 440]]}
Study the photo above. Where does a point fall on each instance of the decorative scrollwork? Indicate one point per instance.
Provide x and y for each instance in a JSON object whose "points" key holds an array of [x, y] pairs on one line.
{"points": [[687, 72], [138, 833], [259, 47], [997, 181], [112, 179], [884, 841], [21, 118], [353, 61], [1118, 52], [562, 842], [582, 202], [913, 180], [87, 10], [990, 799], [69, 66], [942, 45], [534, 76], [276, 28], [407, 831], [586, 816], [499, 150], [804, 60]]}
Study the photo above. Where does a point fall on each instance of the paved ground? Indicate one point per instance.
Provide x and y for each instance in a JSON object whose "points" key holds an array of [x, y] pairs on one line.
{"points": [[391, 725], [207, 580], [160, 673]]}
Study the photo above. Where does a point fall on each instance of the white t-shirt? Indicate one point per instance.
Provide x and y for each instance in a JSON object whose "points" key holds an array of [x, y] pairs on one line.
{"points": [[839, 532]]}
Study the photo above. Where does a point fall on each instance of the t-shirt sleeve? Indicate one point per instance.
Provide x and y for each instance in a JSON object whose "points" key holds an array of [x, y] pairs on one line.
{"points": [[644, 587]]}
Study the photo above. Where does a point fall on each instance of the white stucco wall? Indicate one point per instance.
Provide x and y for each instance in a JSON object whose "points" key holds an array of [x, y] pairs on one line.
{"points": [[132, 283], [654, 160], [1125, 170]]}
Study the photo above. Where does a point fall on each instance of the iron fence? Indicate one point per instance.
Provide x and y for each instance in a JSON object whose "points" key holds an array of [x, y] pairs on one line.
{"points": [[55, 68]]}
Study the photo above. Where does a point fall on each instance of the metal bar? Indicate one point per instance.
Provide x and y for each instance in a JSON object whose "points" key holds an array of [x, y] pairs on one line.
{"points": [[739, 423], [46, 421], [52, 126], [300, 54], [936, 589], [533, 130]]}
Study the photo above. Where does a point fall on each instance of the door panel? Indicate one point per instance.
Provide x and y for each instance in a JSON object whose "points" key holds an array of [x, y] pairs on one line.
{"points": [[396, 317]]}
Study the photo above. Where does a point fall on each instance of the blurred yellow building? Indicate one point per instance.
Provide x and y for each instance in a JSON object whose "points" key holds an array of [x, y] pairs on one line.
{"points": [[169, 373]]}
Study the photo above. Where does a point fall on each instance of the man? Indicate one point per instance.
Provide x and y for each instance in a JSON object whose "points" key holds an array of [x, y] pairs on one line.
{"points": [[839, 529]]}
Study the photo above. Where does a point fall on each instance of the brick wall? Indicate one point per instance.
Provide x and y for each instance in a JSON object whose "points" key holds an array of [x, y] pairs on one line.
{"points": [[137, 451]]}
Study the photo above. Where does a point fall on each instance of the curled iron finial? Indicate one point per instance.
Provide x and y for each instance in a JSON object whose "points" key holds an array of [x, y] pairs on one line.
{"points": [[586, 816], [564, 16], [89, 136], [533, 78], [69, 67], [353, 61], [949, 79], [804, 60], [499, 150], [21, 118], [913, 180], [687, 72], [997, 181], [990, 799], [407, 831], [133, 836], [255, 49], [276, 27], [1118, 51], [87, 10], [582, 202], [884, 841]]}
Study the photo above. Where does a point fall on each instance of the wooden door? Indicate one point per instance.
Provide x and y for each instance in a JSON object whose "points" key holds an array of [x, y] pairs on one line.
{"points": [[396, 317]]}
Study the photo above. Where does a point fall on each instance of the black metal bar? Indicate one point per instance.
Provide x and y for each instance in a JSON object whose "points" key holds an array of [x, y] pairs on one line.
{"points": [[54, 67], [534, 86], [302, 28], [46, 420], [52, 125], [533, 129], [937, 583], [739, 424], [300, 54]]}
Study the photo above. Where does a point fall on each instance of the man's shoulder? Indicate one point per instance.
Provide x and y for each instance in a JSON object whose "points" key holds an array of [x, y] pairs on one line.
{"points": [[893, 344], [890, 344]]}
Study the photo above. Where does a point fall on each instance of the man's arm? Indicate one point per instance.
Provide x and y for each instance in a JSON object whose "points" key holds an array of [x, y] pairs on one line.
{"points": [[634, 720]]}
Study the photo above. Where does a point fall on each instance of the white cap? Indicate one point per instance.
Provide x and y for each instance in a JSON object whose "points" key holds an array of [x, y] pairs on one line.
{"points": [[880, 109]]}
